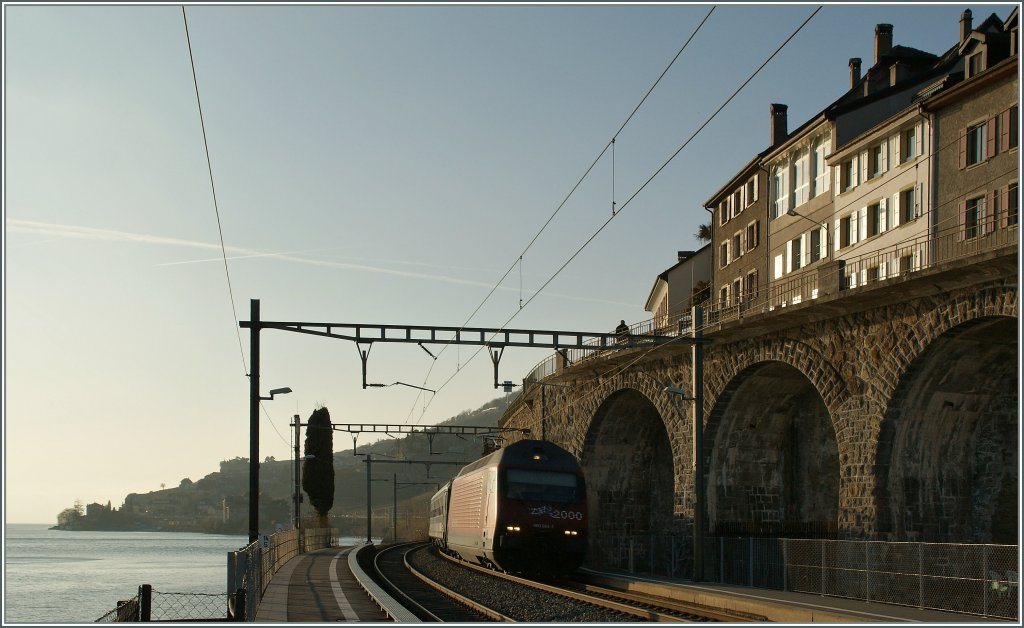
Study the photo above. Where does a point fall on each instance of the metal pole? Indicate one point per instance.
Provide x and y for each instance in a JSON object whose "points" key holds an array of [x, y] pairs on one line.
{"points": [[254, 420], [697, 318], [394, 514], [297, 471], [369, 513]]}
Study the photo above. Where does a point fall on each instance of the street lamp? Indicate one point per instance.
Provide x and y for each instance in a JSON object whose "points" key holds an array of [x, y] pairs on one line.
{"points": [[254, 435], [828, 236]]}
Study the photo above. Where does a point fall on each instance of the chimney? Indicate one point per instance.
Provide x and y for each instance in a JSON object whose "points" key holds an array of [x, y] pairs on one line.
{"points": [[854, 71], [779, 123], [897, 72], [965, 25], [883, 41]]}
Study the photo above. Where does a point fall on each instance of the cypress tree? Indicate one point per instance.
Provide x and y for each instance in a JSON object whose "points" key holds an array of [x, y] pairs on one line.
{"points": [[318, 468]]}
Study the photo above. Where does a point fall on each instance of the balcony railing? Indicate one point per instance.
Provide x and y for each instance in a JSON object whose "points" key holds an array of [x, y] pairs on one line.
{"points": [[904, 258]]}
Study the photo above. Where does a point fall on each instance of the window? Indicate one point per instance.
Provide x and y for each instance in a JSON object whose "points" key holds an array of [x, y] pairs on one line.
{"points": [[907, 263], [737, 290], [972, 218], [751, 190], [975, 64], [723, 255], [849, 174], [723, 296], [752, 285], [873, 274], [908, 206], [975, 144], [820, 167], [781, 193], [796, 256], [723, 212], [801, 182], [737, 202], [848, 230], [737, 249], [875, 220], [753, 234], [908, 144], [815, 245], [877, 160], [552, 486], [1011, 205]]}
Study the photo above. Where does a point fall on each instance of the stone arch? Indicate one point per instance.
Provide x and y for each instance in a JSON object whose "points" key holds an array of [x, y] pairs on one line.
{"points": [[772, 456], [734, 359], [629, 457], [932, 320], [947, 455]]}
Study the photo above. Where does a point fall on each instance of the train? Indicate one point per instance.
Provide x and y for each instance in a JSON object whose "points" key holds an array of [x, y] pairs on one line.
{"points": [[520, 509]]}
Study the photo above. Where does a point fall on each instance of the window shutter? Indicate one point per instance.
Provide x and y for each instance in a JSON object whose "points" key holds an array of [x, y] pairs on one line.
{"points": [[862, 224], [918, 200], [1004, 131], [805, 248], [835, 237], [839, 179], [823, 243], [897, 156], [1013, 127], [789, 256], [918, 139], [862, 175], [757, 181], [863, 276], [990, 138], [963, 148], [884, 166], [881, 271], [778, 266], [963, 220], [894, 211], [1004, 207], [991, 202]]}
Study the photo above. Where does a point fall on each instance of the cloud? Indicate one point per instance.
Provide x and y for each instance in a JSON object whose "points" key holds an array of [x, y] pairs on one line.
{"points": [[235, 253]]}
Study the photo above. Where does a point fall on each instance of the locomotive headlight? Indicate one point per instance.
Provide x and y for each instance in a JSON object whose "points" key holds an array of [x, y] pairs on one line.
{"points": [[571, 533], [512, 528]]}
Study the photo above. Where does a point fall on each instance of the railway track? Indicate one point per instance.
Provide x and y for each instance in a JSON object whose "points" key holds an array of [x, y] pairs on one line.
{"points": [[620, 605], [426, 599]]}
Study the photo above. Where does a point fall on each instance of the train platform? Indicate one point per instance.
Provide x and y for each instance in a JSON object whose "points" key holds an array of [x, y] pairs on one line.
{"points": [[783, 606], [318, 587]]}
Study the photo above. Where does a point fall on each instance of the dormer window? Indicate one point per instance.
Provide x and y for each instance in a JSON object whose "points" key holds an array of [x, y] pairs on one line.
{"points": [[975, 64]]}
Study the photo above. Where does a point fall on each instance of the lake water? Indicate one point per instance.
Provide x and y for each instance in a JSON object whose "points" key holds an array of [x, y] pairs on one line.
{"points": [[55, 576]]}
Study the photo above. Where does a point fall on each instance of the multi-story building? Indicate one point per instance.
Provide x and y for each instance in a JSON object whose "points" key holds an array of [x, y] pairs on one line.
{"points": [[738, 216], [976, 122], [676, 290]]}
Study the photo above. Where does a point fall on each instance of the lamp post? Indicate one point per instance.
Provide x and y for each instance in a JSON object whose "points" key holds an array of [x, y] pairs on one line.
{"points": [[254, 426], [298, 484], [828, 236]]}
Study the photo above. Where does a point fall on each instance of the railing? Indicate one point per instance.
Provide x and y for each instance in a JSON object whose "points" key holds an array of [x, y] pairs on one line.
{"points": [[252, 568], [903, 258], [250, 571], [151, 606], [974, 579]]}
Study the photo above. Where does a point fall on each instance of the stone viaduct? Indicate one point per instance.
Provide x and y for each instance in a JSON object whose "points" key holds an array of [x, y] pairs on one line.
{"points": [[885, 412]]}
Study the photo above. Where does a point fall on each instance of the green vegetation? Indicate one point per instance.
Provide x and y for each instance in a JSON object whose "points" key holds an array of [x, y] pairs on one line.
{"points": [[218, 503], [318, 467]]}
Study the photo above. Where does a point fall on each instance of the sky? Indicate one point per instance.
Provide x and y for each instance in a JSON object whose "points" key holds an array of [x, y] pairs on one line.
{"points": [[372, 164]]}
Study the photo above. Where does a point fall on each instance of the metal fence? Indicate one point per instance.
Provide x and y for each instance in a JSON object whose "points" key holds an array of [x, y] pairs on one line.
{"points": [[973, 579], [150, 606], [250, 570]]}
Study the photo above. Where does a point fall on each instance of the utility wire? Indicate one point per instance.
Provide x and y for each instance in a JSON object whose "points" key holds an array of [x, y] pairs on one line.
{"points": [[216, 210], [609, 144], [642, 187]]}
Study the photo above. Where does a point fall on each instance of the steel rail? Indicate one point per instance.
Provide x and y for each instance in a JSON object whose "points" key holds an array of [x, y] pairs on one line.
{"points": [[699, 610], [458, 598], [646, 614], [397, 591]]}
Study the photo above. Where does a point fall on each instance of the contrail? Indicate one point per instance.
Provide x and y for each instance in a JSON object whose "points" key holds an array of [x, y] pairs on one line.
{"points": [[109, 235]]}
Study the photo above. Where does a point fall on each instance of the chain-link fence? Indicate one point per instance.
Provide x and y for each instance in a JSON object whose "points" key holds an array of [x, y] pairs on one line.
{"points": [[963, 578], [150, 605]]}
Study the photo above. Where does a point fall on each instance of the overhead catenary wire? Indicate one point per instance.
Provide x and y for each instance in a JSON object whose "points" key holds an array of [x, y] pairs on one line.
{"points": [[579, 182], [658, 171], [216, 210]]}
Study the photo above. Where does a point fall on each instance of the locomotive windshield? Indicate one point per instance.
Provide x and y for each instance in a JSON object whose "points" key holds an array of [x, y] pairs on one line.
{"points": [[548, 486]]}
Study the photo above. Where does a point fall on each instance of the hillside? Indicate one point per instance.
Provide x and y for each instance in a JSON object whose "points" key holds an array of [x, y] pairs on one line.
{"points": [[218, 502]]}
